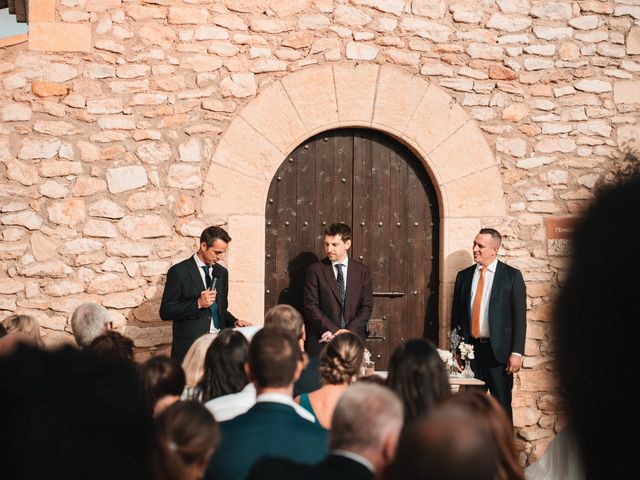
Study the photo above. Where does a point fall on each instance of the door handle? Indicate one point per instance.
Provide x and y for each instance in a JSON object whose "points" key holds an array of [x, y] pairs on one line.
{"points": [[388, 294]]}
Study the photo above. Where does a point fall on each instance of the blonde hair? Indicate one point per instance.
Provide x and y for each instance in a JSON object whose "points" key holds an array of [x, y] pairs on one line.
{"points": [[341, 360], [26, 324], [193, 363]]}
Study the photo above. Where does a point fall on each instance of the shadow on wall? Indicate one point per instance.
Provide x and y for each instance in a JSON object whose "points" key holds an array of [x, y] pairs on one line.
{"points": [[297, 270], [151, 335]]}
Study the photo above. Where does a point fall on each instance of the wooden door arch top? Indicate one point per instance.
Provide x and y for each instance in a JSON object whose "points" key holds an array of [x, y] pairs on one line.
{"points": [[387, 98]]}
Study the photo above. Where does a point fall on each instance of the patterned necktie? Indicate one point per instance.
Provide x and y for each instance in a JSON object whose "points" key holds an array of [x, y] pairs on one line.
{"points": [[213, 308], [341, 293], [477, 301]]}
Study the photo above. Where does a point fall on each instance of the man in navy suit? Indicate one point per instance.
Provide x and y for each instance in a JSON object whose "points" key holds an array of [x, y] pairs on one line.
{"points": [[338, 295], [489, 307], [364, 434], [275, 425], [191, 299]]}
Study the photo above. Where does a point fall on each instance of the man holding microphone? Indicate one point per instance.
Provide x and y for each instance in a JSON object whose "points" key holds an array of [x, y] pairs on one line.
{"points": [[195, 293]]}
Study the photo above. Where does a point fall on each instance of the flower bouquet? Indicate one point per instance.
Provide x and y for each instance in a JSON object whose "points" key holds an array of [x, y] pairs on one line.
{"points": [[466, 354]]}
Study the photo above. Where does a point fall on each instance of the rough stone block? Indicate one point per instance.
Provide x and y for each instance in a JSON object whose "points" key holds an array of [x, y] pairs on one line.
{"points": [[59, 37]]}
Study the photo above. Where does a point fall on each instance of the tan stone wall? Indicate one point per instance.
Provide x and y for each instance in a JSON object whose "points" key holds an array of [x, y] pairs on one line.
{"points": [[151, 119]]}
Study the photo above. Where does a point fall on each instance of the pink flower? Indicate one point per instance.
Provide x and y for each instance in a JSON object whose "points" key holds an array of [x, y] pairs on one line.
{"points": [[326, 337]]}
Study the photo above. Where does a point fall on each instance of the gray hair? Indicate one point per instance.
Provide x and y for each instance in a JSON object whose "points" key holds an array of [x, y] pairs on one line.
{"points": [[364, 416], [89, 321]]}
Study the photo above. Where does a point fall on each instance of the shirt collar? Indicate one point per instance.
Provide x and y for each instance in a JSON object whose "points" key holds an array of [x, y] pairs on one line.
{"points": [[355, 457], [285, 400], [345, 262], [199, 262], [492, 266]]}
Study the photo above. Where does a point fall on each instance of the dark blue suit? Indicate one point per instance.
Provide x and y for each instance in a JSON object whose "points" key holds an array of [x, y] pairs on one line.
{"points": [[180, 304], [267, 429], [507, 324], [334, 467]]}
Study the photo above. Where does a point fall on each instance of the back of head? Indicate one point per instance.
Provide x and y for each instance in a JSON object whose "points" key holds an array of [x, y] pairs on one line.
{"points": [[341, 359], [364, 416], [25, 324], [492, 417], [112, 346], [273, 356], [161, 376], [592, 318], [89, 321], [68, 415], [224, 365], [287, 317], [193, 363], [418, 376], [446, 445], [187, 434]]}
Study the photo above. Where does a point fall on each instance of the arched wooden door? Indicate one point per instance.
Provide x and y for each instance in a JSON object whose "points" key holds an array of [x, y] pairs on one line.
{"points": [[373, 183]]}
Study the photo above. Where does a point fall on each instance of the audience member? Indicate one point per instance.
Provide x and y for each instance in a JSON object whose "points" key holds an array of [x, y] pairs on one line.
{"points": [[418, 376], [272, 426], [89, 321], [363, 438], [595, 314], [561, 459], [289, 318], [490, 415], [187, 434], [10, 342], [26, 324], [112, 346], [67, 415], [224, 362], [340, 363], [162, 383], [448, 444], [193, 364]]}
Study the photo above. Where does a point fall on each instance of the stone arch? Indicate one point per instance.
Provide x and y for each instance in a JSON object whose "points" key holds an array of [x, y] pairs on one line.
{"points": [[403, 105]]}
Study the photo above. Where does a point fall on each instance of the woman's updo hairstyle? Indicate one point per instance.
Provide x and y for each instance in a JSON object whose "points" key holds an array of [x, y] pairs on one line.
{"points": [[341, 360]]}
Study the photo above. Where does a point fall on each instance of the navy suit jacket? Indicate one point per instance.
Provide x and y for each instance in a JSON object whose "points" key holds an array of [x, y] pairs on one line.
{"points": [[334, 467], [507, 309], [180, 304], [267, 429], [322, 303]]}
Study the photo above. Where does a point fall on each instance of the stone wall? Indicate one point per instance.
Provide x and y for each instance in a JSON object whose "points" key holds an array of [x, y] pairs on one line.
{"points": [[106, 142]]}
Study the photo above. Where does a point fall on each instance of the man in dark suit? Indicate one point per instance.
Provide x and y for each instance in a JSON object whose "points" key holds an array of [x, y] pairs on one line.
{"points": [[273, 425], [489, 308], [337, 293], [364, 434], [195, 293]]}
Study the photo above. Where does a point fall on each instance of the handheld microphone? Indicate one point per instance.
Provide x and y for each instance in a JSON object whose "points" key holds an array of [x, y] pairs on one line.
{"points": [[213, 283]]}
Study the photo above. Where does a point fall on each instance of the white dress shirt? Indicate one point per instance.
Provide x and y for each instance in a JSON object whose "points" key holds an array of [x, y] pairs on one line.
{"points": [[201, 264], [230, 406], [486, 295]]}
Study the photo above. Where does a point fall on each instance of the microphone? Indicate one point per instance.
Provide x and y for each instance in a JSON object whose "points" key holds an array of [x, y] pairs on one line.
{"points": [[213, 282]]}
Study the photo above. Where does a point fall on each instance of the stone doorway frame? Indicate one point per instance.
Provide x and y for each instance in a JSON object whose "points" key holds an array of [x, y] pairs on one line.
{"points": [[398, 103]]}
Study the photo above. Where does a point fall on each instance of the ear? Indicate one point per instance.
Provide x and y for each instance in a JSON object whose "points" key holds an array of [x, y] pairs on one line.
{"points": [[298, 371], [248, 372], [347, 244], [389, 446], [304, 334]]}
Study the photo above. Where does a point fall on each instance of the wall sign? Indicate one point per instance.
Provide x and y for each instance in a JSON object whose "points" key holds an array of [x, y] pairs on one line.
{"points": [[559, 235]]}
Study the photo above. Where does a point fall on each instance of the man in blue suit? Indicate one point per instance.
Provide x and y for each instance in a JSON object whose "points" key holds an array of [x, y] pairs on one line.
{"points": [[273, 425], [490, 307]]}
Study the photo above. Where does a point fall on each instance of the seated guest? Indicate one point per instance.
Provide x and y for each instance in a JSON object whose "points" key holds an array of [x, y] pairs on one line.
{"points": [[340, 363], [10, 342], [26, 324], [89, 321], [67, 415], [363, 438], [448, 444], [288, 317], [187, 434], [162, 383], [492, 416], [112, 346], [271, 426], [193, 364], [418, 376]]}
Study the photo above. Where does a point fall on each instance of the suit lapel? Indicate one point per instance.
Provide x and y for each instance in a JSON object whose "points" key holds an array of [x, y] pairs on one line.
{"points": [[194, 274], [327, 270], [468, 282], [498, 280], [350, 294]]}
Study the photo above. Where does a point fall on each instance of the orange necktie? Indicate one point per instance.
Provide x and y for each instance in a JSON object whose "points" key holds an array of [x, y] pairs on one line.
{"points": [[477, 301]]}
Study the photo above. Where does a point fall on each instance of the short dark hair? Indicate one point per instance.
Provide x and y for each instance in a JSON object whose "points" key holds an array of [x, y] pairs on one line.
{"points": [[495, 235], [112, 346], [210, 234], [273, 356], [339, 228], [161, 376]]}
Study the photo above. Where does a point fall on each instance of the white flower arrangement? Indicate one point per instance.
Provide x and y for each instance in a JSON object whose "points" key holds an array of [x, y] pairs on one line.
{"points": [[367, 357], [466, 351], [446, 357], [454, 340]]}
